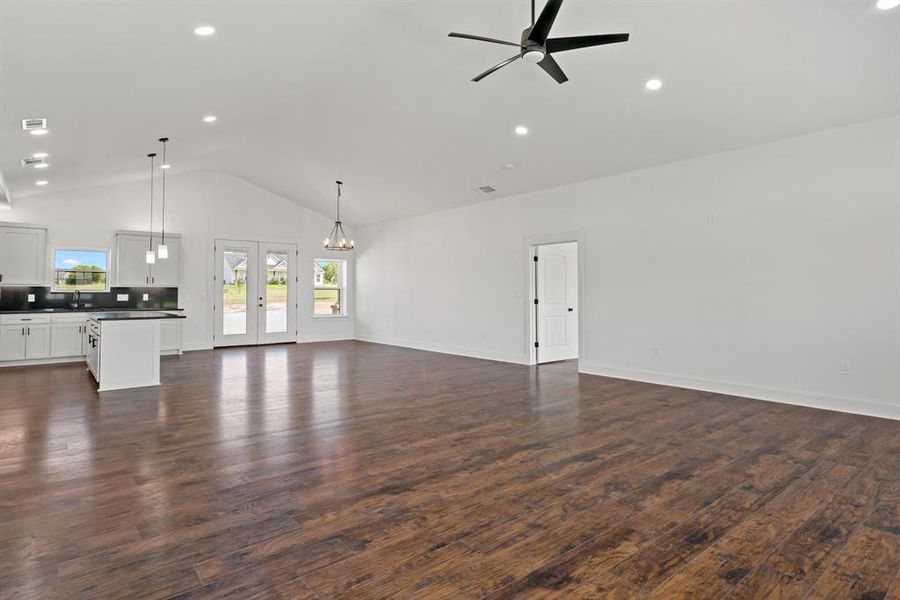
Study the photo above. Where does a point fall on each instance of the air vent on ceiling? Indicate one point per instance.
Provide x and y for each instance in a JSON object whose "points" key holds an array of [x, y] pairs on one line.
{"points": [[486, 189], [31, 161], [32, 124]]}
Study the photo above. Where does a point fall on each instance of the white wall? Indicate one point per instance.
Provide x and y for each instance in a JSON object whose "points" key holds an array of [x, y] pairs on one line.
{"points": [[201, 207], [755, 272]]}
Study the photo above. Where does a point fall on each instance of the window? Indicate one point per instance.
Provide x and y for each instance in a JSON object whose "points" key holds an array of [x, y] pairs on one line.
{"points": [[80, 270], [330, 283]]}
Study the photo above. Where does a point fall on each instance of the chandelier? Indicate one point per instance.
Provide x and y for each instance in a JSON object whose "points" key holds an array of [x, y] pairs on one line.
{"points": [[337, 239]]}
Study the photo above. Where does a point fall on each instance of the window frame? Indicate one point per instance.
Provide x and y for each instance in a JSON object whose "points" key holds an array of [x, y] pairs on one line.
{"points": [[341, 288], [53, 287]]}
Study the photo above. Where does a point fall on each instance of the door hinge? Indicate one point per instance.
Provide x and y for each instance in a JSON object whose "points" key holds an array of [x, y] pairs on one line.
{"points": [[535, 259], [535, 344], [535, 300]]}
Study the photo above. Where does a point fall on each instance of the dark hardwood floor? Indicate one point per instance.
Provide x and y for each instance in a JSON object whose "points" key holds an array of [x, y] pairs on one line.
{"points": [[352, 470]]}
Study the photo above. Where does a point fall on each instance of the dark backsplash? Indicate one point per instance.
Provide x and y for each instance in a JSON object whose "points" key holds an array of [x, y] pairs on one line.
{"points": [[16, 298]]}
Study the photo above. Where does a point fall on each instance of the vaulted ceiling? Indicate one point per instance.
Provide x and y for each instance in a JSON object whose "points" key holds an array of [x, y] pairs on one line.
{"points": [[374, 92]]}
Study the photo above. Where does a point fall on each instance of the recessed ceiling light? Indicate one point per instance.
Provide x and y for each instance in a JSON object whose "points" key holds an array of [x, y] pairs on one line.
{"points": [[522, 130], [41, 182], [209, 119], [165, 166], [40, 155], [205, 30], [887, 4], [38, 132], [509, 166], [41, 165], [653, 84]]}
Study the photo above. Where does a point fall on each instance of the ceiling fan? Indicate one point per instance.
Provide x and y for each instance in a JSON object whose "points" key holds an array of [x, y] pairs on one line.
{"points": [[537, 47]]}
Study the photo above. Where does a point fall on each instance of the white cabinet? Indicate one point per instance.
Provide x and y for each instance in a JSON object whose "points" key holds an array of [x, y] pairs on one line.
{"points": [[12, 342], [23, 255], [67, 339], [131, 261], [37, 341], [24, 337], [170, 336]]}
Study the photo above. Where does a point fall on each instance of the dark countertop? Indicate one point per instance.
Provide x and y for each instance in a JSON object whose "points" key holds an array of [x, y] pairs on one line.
{"points": [[44, 311], [132, 315]]}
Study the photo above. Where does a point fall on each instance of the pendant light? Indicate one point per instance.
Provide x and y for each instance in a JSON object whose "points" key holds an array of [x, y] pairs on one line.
{"points": [[337, 239], [162, 251], [151, 257]]}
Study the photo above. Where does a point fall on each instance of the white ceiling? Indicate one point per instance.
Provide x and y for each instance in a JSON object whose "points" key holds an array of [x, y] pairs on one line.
{"points": [[375, 93]]}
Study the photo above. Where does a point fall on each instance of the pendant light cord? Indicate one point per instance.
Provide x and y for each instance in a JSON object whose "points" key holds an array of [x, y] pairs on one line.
{"points": [[164, 140], [339, 202], [152, 155]]}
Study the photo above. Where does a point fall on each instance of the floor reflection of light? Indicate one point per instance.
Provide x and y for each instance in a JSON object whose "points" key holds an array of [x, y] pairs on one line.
{"points": [[234, 384], [327, 397], [276, 389]]}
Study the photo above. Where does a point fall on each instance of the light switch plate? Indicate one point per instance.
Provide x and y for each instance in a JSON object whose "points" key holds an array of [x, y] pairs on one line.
{"points": [[31, 297], [146, 297], [122, 297]]}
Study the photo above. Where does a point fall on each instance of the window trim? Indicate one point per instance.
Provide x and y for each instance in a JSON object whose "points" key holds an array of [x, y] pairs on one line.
{"points": [[54, 249], [342, 288]]}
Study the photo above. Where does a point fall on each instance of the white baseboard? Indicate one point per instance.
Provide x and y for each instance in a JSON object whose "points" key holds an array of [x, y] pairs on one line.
{"points": [[195, 347], [324, 337], [847, 405], [41, 361], [496, 356]]}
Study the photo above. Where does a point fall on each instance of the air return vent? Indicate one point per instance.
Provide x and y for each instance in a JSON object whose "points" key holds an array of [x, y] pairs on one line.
{"points": [[32, 124], [31, 161], [487, 189]]}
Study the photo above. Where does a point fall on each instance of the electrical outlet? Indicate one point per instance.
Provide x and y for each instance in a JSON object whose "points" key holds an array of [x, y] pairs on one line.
{"points": [[122, 297], [845, 367], [31, 297], [711, 217], [654, 350]]}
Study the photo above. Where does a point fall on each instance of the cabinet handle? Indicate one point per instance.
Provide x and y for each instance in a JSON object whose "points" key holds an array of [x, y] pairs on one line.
{"points": [[23, 331], [29, 330]]}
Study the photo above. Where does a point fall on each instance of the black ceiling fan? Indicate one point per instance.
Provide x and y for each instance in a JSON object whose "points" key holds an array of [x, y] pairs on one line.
{"points": [[537, 47]]}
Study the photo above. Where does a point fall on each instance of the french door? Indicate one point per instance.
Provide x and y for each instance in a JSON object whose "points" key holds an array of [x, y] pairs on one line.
{"points": [[256, 293]]}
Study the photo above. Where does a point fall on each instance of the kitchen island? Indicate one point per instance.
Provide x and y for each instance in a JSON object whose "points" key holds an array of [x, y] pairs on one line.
{"points": [[123, 348]]}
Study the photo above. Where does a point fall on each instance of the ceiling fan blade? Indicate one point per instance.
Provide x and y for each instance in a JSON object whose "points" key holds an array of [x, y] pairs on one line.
{"points": [[541, 28], [479, 38], [584, 41], [550, 65], [496, 67]]}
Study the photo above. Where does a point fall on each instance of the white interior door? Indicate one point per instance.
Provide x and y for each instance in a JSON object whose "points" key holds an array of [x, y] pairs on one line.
{"points": [[278, 293], [556, 285], [237, 283], [256, 302]]}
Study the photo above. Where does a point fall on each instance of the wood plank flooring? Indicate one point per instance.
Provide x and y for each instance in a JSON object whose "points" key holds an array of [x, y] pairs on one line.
{"points": [[353, 470]]}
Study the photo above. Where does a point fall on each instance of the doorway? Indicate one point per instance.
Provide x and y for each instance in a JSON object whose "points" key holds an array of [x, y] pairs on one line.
{"points": [[256, 293], [556, 299]]}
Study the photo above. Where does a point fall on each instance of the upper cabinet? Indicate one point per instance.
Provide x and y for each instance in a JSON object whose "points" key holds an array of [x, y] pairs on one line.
{"points": [[131, 260], [23, 255]]}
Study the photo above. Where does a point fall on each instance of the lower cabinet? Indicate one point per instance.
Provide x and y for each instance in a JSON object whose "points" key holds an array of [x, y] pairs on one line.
{"points": [[37, 343], [170, 336], [24, 338], [12, 342], [34, 336], [67, 339]]}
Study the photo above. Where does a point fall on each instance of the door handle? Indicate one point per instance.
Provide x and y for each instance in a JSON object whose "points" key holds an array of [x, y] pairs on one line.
{"points": [[571, 309]]}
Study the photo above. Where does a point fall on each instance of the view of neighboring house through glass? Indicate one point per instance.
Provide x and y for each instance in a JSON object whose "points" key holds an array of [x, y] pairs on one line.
{"points": [[330, 283], [80, 270]]}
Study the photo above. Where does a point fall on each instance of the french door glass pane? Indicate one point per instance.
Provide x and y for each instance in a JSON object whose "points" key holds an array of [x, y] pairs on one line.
{"points": [[276, 292], [234, 293]]}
